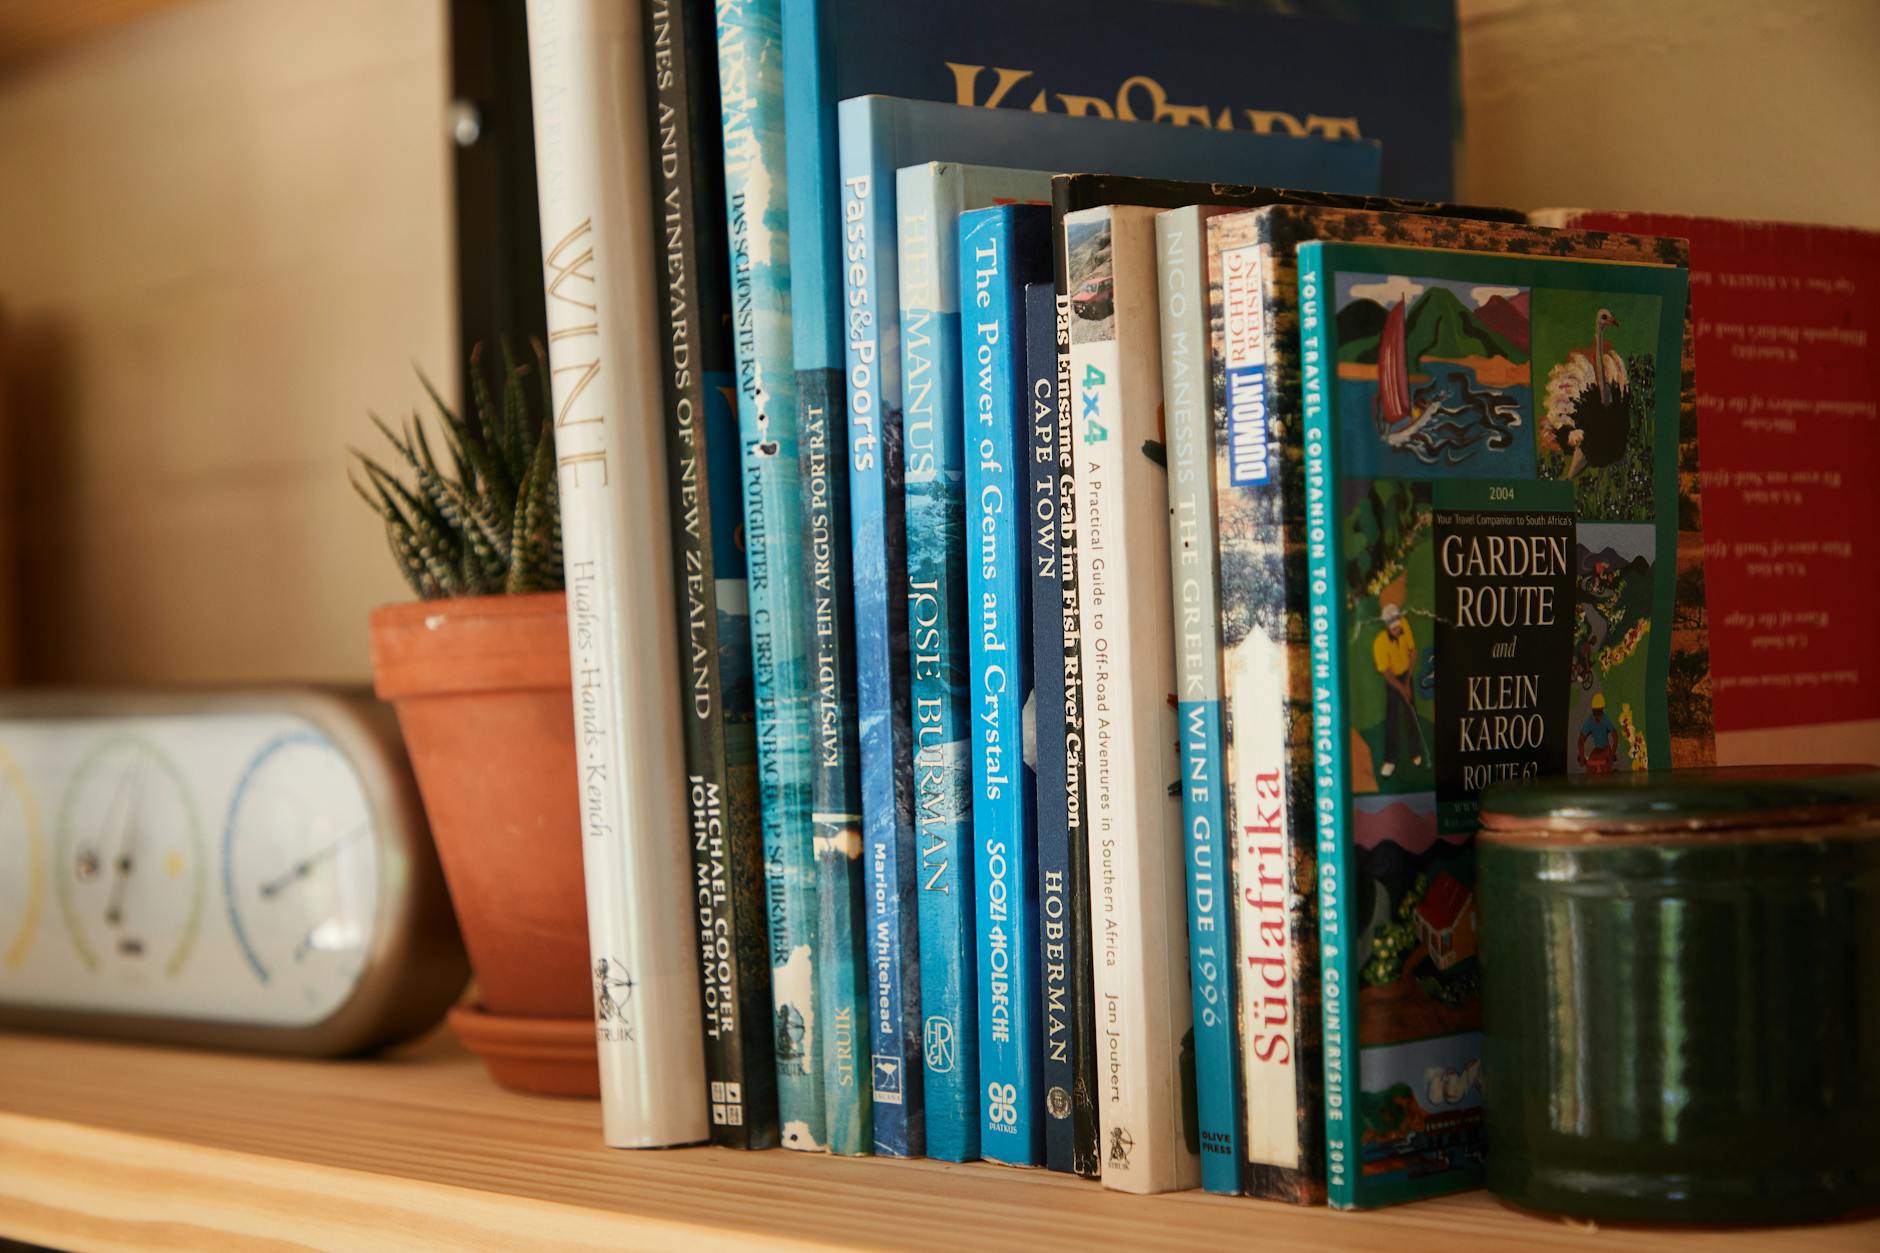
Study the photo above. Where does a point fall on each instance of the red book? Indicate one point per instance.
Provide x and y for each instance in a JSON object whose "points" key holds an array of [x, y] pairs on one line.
{"points": [[1787, 325]]}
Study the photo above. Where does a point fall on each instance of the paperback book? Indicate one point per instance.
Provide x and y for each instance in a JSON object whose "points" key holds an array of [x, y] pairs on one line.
{"points": [[1263, 624], [834, 600], [879, 136], [1219, 1099], [596, 199], [1258, 1126], [720, 720], [1491, 449], [930, 199], [1058, 923], [1001, 248], [751, 89], [1146, 1078]]}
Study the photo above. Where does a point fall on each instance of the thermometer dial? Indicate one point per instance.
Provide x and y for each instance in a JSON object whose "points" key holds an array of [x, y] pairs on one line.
{"points": [[129, 862], [300, 870]]}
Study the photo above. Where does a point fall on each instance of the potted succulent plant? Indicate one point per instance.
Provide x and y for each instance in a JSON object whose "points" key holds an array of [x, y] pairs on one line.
{"points": [[477, 669]]}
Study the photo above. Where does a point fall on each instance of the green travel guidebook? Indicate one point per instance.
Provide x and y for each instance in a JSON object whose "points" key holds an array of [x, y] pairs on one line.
{"points": [[1492, 516]]}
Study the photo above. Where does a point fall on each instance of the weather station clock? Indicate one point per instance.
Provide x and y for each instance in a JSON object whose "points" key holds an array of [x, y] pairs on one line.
{"points": [[237, 869]]}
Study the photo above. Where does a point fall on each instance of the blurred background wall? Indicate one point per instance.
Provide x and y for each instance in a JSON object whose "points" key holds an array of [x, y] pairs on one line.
{"points": [[1730, 108], [226, 232]]}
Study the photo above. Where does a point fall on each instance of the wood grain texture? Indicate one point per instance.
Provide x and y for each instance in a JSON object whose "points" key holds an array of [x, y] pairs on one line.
{"points": [[108, 1146], [225, 235]]}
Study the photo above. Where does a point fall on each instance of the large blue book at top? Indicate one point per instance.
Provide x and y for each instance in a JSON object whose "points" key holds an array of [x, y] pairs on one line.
{"points": [[1001, 249], [878, 135], [1056, 921], [751, 91], [831, 608], [1377, 69]]}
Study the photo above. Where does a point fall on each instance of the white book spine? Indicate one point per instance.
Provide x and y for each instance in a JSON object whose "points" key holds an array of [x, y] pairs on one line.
{"points": [[1137, 885], [590, 146], [1256, 688]]}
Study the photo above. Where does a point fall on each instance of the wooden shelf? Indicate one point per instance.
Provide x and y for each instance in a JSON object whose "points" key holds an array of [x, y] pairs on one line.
{"points": [[107, 1146]]}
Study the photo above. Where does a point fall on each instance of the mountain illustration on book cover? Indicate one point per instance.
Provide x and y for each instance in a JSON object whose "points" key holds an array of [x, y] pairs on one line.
{"points": [[1506, 476]]}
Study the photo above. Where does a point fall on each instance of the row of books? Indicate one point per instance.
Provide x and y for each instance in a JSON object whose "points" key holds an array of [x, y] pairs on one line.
{"points": [[1099, 598]]}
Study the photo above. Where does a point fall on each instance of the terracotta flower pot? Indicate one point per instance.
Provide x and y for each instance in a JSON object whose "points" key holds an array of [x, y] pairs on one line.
{"points": [[482, 692]]}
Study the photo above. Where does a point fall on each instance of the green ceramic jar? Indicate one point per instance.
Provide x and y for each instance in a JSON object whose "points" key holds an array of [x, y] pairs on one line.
{"points": [[1681, 994]]}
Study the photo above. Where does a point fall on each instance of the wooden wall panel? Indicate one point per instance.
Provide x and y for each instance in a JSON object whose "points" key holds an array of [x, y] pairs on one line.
{"points": [[1729, 108], [225, 234]]}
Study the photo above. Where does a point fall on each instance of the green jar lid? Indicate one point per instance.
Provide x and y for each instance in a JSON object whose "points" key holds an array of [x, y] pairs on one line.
{"points": [[1681, 800]]}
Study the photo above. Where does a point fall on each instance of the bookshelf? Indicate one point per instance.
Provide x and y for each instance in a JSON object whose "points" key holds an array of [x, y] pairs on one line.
{"points": [[111, 1146]]}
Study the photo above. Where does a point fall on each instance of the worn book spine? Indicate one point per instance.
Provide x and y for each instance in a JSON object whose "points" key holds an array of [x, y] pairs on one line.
{"points": [[751, 89], [1057, 1074], [1266, 698], [835, 782], [942, 718], [884, 711], [1181, 241], [1000, 249], [1145, 1093], [595, 195], [720, 720], [835, 798], [1085, 1130]]}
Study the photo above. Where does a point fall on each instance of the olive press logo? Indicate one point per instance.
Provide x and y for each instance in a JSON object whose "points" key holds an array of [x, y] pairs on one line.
{"points": [[1121, 1142], [613, 992]]}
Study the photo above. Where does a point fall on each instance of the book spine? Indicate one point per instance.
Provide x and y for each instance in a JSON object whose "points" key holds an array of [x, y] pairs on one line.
{"points": [[1337, 964], [1086, 1127], [1057, 1074], [828, 609], [1144, 1011], [1266, 714], [749, 59], [1182, 272], [993, 248], [702, 477], [884, 711], [595, 195], [835, 797], [933, 444]]}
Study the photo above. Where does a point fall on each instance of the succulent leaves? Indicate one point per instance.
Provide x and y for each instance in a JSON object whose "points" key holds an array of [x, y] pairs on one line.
{"points": [[487, 523]]}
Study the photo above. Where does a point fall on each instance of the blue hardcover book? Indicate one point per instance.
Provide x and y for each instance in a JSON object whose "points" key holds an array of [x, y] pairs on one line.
{"points": [[1001, 249], [930, 199], [751, 88], [1057, 1074], [879, 135], [1380, 69], [834, 605]]}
